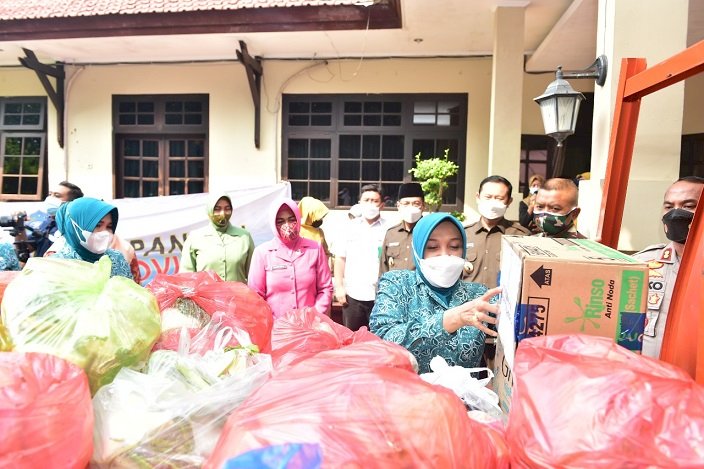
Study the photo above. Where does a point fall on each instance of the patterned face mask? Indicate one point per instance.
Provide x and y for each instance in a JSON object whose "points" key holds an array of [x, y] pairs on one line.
{"points": [[289, 232], [553, 223]]}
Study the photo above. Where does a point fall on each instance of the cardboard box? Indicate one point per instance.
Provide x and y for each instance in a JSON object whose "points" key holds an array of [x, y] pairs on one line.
{"points": [[566, 286]]}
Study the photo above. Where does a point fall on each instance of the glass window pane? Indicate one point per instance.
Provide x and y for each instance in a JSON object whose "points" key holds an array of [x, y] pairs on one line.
{"points": [[392, 121], [424, 107], [372, 106], [371, 147], [297, 148], [145, 107], [173, 106], [13, 146], [424, 119], [10, 185], [12, 165], [177, 169], [131, 188], [393, 107], [320, 190], [177, 187], [348, 193], [353, 120], [350, 146], [392, 147], [195, 187], [150, 148], [31, 119], [349, 170], [131, 167], [298, 107], [372, 121], [392, 171], [370, 171], [299, 190], [391, 191], [177, 148], [150, 168], [320, 170], [321, 108], [131, 148], [320, 148], [452, 145], [448, 107], [32, 108], [29, 185], [13, 108], [193, 119], [298, 119], [196, 148], [145, 119], [425, 147], [353, 106], [173, 119], [127, 119], [30, 165], [195, 169], [12, 119], [193, 106], [298, 169], [32, 146], [150, 189], [126, 106], [321, 120]]}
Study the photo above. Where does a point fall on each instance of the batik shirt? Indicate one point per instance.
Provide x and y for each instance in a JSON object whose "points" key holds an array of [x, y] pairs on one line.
{"points": [[410, 314], [8, 257], [120, 267]]}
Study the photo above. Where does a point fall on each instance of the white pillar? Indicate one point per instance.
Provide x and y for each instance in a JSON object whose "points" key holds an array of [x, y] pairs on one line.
{"points": [[652, 30], [507, 97]]}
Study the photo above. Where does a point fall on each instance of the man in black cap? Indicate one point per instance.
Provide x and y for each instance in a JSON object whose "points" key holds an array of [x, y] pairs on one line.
{"points": [[396, 250]]}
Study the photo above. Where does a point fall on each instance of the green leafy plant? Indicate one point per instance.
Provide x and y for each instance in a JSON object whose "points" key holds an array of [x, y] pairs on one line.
{"points": [[433, 173]]}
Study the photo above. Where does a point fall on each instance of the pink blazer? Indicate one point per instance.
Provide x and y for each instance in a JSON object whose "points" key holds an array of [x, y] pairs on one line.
{"points": [[291, 278]]}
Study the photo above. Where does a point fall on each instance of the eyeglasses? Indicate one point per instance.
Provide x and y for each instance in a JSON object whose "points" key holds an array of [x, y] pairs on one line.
{"points": [[415, 203]]}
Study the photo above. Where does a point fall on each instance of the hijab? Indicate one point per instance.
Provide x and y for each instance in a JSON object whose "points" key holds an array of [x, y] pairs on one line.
{"points": [[286, 202], [213, 198], [83, 214], [313, 210], [421, 233]]}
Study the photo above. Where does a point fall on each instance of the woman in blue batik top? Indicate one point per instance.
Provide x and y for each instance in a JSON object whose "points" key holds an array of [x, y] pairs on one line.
{"points": [[430, 311], [88, 226]]}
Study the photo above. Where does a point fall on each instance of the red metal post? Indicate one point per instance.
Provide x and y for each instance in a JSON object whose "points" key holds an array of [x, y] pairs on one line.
{"points": [[623, 135]]}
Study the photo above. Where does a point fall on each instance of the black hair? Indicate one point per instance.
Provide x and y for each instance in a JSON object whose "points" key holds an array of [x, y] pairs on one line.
{"points": [[74, 192], [372, 188], [500, 180], [694, 179]]}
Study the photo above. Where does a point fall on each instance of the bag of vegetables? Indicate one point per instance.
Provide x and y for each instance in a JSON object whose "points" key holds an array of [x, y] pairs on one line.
{"points": [[182, 401], [46, 416], [188, 300], [75, 310]]}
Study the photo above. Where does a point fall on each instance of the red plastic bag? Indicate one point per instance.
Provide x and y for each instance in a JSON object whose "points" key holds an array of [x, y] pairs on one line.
{"points": [[7, 276], [303, 333], [582, 401], [244, 308], [46, 414], [362, 416]]}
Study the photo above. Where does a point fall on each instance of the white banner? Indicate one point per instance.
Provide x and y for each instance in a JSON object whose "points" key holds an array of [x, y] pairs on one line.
{"points": [[157, 226]]}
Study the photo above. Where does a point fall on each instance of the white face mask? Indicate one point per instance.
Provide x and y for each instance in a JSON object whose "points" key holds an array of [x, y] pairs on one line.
{"points": [[442, 271], [534, 190], [96, 243], [52, 204], [410, 214], [491, 209], [370, 211]]}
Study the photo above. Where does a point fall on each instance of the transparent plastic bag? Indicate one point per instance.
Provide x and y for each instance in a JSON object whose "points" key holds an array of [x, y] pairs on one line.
{"points": [[46, 415], [182, 402], [75, 310]]}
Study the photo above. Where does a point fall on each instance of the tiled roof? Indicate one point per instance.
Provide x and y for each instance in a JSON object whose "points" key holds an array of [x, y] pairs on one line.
{"points": [[39, 9]]}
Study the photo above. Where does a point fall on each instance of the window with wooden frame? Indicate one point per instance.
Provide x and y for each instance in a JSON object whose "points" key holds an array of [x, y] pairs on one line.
{"points": [[22, 147], [161, 145], [334, 144]]}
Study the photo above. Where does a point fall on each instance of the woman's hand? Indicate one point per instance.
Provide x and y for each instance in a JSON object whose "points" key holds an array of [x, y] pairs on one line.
{"points": [[475, 313]]}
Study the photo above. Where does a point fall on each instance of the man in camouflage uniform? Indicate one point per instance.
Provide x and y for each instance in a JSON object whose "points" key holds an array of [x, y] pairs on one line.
{"points": [[663, 260], [555, 212]]}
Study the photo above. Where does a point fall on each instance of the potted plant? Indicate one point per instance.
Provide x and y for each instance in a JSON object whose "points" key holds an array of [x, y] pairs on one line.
{"points": [[433, 173]]}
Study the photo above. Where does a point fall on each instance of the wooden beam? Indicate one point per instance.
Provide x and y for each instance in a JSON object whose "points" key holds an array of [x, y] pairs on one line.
{"points": [[618, 169], [254, 71], [56, 96]]}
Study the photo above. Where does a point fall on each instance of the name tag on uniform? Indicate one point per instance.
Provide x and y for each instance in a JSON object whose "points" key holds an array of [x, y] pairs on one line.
{"points": [[277, 267], [393, 244], [470, 245]]}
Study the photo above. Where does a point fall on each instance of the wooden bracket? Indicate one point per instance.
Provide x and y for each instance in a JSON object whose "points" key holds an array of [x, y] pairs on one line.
{"points": [[55, 95], [254, 71]]}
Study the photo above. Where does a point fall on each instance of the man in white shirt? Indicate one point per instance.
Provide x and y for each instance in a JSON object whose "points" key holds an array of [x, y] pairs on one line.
{"points": [[357, 260]]}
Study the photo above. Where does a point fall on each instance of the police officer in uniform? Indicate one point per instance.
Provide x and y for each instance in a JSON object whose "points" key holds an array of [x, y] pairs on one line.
{"points": [[396, 250], [663, 260]]}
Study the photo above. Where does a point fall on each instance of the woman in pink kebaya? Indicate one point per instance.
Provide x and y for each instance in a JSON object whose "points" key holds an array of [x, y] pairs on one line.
{"points": [[291, 272]]}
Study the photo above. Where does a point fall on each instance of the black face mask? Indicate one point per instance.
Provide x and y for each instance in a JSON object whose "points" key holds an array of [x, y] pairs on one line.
{"points": [[677, 222], [316, 223]]}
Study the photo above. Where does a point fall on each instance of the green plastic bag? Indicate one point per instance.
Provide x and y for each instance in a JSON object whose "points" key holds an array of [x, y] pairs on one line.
{"points": [[75, 310]]}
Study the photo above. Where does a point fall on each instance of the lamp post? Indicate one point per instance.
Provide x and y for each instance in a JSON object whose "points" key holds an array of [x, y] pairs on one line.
{"points": [[559, 105]]}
